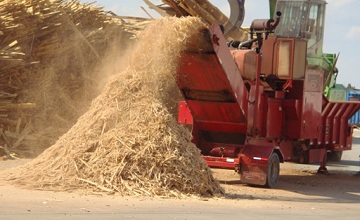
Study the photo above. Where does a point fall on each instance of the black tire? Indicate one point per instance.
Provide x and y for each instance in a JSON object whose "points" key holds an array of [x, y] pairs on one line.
{"points": [[273, 171], [334, 156]]}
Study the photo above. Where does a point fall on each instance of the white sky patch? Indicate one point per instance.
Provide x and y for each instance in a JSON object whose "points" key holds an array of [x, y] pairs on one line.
{"points": [[225, 9], [353, 33], [341, 15], [339, 3]]}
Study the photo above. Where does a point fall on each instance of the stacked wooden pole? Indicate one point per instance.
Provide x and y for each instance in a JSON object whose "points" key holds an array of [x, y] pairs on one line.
{"points": [[48, 50]]}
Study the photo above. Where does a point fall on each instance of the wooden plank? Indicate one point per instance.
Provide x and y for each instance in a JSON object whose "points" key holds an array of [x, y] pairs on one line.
{"points": [[19, 106], [22, 135]]}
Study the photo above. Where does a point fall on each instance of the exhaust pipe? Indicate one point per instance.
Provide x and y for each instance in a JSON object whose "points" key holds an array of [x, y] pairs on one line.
{"points": [[276, 21], [265, 24]]}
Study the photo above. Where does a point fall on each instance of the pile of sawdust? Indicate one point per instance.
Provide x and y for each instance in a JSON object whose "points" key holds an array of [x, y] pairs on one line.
{"points": [[129, 142]]}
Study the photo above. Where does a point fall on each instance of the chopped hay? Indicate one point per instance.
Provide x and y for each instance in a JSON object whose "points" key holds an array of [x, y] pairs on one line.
{"points": [[129, 142]]}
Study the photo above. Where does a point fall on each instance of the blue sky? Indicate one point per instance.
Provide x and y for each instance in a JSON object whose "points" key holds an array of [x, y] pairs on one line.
{"points": [[342, 27]]}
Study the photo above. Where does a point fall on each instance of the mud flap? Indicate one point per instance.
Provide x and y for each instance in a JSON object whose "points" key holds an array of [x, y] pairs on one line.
{"points": [[254, 175], [254, 164]]}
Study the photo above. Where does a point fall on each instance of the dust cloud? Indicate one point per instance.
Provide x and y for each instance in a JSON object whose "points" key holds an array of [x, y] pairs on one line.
{"points": [[128, 142]]}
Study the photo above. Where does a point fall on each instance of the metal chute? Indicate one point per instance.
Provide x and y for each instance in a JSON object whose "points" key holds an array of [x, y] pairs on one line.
{"points": [[208, 12], [237, 14]]}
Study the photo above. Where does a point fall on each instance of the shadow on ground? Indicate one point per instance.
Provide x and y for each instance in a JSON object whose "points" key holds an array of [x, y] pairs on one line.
{"points": [[317, 188]]}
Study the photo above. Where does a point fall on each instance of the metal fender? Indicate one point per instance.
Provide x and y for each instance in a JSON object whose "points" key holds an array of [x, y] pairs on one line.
{"points": [[253, 163]]}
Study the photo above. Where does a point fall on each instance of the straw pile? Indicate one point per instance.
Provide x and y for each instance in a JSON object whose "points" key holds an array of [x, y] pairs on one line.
{"points": [[49, 50], [129, 142]]}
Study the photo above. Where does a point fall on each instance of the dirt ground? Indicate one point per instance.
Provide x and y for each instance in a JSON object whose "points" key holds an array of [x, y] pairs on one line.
{"points": [[301, 193]]}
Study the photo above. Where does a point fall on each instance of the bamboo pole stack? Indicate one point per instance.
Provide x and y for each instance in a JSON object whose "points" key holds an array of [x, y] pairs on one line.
{"points": [[48, 51]]}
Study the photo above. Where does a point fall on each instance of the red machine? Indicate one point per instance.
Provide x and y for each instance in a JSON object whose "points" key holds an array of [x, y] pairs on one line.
{"points": [[261, 103]]}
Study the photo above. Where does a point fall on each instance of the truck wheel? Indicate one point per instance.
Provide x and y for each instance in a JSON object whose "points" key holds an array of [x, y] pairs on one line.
{"points": [[273, 171]]}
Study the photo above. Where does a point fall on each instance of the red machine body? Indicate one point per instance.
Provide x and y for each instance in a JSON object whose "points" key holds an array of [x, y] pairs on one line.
{"points": [[249, 111]]}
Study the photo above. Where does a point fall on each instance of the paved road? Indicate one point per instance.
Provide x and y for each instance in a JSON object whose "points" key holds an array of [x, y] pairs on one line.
{"points": [[49, 205], [19, 203]]}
